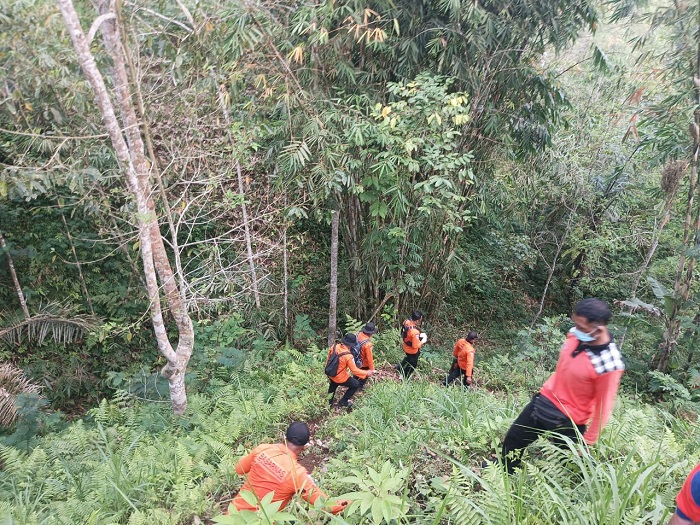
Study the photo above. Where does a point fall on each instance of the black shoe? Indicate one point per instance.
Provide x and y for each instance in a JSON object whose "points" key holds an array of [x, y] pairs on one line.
{"points": [[491, 461], [347, 404]]}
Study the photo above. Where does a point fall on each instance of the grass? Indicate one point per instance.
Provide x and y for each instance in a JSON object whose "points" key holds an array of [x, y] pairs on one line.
{"points": [[130, 462]]}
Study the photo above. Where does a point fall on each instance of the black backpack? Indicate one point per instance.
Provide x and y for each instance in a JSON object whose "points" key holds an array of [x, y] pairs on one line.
{"points": [[333, 361], [357, 352]]}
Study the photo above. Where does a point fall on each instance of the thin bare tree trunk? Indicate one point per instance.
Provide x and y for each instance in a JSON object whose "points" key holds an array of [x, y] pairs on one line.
{"points": [[246, 229], [244, 208], [77, 263], [333, 302], [130, 154], [15, 280], [285, 283]]}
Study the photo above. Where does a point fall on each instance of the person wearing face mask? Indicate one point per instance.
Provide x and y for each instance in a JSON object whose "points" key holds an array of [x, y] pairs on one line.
{"points": [[579, 396]]}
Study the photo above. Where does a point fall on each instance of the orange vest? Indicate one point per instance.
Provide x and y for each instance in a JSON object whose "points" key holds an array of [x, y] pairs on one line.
{"points": [[366, 351]]}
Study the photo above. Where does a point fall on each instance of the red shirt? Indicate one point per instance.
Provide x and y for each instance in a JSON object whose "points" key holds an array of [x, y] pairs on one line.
{"points": [[688, 498], [366, 351], [464, 352], [580, 392]]}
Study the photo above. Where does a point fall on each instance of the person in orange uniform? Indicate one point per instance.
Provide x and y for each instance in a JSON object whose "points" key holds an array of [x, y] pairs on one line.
{"points": [[274, 468], [343, 377], [413, 340], [364, 339], [579, 396], [464, 354], [688, 501]]}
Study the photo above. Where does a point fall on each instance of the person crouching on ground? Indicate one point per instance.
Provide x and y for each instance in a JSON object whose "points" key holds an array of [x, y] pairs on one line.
{"points": [[274, 468], [346, 362]]}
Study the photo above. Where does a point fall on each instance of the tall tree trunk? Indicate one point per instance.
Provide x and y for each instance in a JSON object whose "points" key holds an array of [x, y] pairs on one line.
{"points": [[132, 160], [333, 301], [15, 280]]}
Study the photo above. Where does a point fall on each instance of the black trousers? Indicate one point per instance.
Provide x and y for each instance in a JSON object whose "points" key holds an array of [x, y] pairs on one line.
{"points": [[352, 384], [530, 424], [409, 364], [457, 373]]}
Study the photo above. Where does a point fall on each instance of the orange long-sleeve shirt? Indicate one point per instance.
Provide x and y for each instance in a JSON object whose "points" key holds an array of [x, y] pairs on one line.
{"points": [[366, 350], [464, 352], [586, 396], [274, 468], [345, 362], [411, 337]]}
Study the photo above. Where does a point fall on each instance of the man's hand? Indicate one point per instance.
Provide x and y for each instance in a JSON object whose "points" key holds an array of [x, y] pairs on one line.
{"points": [[469, 381], [370, 373]]}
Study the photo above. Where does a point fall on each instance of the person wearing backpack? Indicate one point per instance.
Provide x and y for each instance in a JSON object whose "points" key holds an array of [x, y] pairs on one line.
{"points": [[688, 501], [366, 349], [463, 366], [412, 339], [340, 359]]}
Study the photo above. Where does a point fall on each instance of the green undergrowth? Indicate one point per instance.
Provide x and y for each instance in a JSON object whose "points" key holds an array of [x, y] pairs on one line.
{"points": [[409, 452]]}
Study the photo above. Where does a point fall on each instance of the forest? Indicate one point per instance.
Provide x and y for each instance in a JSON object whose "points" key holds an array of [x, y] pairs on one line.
{"points": [[199, 197]]}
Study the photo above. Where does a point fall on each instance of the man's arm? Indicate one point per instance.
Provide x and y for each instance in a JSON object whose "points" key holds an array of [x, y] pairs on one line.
{"points": [[349, 362], [677, 520], [606, 392]]}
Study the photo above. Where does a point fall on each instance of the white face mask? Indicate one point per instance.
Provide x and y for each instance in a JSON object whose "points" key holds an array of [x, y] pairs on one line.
{"points": [[582, 336]]}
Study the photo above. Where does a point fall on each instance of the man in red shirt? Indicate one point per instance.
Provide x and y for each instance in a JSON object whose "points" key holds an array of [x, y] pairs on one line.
{"points": [[688, 501], [274, 468], [346, 362], [463, 366], [579, 396]]}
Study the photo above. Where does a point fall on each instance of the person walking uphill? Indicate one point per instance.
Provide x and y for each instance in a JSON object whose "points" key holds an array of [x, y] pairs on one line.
{"points": [[581, 392], [464, 355], [688, 501], [274, 468], [346, 361], [366, 349], [412, 340]]}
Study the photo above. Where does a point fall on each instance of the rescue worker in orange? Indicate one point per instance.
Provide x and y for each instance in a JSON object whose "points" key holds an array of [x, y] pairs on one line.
{"points": [[464, 356], [274, 468], [366, 349], [343, 377], [413, 340]]}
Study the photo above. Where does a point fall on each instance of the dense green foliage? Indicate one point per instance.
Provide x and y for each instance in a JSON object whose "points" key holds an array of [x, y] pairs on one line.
{"points": [[409, 451], [492, 162]]}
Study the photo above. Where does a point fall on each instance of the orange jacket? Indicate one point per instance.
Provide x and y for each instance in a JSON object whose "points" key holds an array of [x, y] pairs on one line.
{"points": [[274, 468], [412, 337], [366, 350], [345, 361], [464, 352]]}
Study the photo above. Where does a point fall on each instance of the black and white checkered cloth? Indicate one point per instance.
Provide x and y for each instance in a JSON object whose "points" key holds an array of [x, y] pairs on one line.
{"points": [[608, 359]]}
